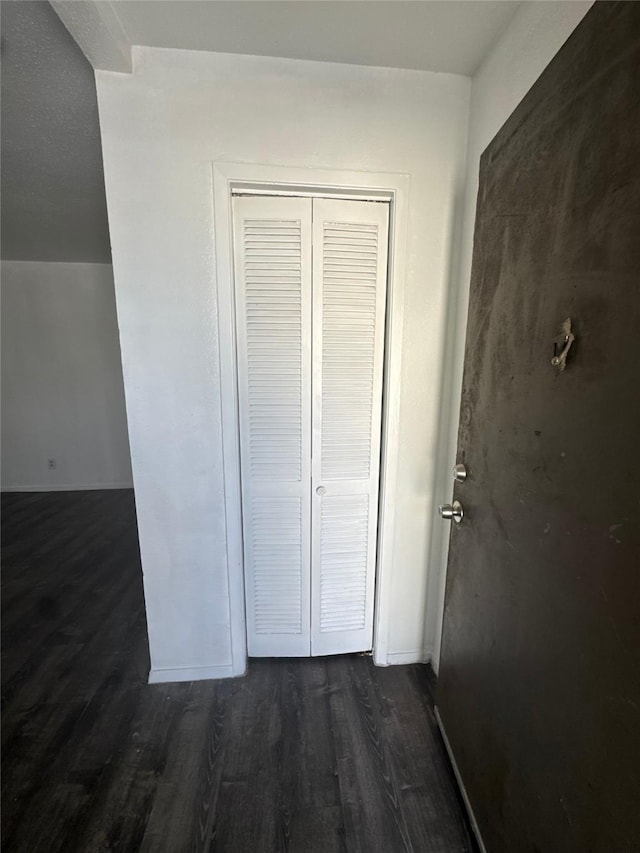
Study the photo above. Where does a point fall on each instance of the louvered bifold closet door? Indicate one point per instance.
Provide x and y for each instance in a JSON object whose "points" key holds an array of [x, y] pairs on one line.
{"points": [[272, 248], [349, 287]]}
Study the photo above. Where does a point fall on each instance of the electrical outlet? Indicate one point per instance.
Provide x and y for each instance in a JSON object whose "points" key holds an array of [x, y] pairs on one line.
{"points": [[52, 464]]}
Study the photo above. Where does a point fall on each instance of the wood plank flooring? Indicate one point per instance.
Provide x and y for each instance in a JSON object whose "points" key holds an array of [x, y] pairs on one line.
{"points": [[324, 755]]}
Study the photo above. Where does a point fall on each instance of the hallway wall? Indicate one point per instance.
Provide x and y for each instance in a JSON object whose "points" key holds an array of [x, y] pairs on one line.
{"points": [[62, 389], [162, 128]]}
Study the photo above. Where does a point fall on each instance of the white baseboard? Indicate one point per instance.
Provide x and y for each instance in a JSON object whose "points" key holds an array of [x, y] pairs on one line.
{"points": [[67, 487], [463, 790], [420, 656], [191, 673]]}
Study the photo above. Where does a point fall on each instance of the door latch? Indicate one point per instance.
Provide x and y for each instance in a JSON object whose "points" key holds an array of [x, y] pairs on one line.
{"points": [[562, 345]]}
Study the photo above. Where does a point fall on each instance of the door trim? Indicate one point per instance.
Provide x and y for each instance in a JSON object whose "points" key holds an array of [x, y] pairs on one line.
{"points": [[233, 178]]}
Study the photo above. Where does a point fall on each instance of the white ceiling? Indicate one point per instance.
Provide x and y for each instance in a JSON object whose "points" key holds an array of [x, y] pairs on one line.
{"points": [[53, 201], [430, 36]]}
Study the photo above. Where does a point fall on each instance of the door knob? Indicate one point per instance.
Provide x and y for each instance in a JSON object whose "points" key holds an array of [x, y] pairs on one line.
{"points": [[452, 511], [321, 491]]}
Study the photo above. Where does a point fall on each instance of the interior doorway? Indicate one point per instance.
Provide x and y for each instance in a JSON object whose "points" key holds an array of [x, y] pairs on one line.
{"points": [[247, 179]]}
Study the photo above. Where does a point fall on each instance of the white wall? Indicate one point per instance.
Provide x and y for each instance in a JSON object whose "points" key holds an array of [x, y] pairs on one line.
{"points": [[535, 34], [62, 390], [162, 128]]}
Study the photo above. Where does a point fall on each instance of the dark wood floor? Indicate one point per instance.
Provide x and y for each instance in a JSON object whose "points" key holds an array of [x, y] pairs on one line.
{"points": [[320, 755]]}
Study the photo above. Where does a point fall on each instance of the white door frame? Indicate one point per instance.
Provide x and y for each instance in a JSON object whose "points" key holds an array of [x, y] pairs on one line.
{"points": [[230, 178]]}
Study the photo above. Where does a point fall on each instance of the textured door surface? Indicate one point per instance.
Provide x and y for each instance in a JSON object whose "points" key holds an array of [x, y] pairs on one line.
{"points": [[539, 686], [349, 287], [272, 248]]}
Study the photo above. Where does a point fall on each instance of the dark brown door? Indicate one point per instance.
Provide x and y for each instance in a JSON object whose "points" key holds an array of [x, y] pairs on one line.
{"points": [[539, 687]]}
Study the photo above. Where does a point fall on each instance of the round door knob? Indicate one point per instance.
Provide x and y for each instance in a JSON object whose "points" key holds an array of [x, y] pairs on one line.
{"points": [[453, 512], [321, 490]]}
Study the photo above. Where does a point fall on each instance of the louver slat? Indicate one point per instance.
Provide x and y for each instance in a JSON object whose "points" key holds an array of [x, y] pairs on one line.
{"points": [[350, 245], [343, 553], [277, 559], [273, 323], [272, 244], [349, 276]]}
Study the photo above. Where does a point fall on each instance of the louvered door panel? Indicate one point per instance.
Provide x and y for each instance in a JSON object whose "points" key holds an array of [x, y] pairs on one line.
{"points": [[344, 541], [349, 289], [272, 249]]}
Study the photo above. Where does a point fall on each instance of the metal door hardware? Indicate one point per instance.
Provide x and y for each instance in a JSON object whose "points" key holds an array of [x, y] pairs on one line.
{"points": [[452, 512], [459, 473], [562, 345], [321, 490]]}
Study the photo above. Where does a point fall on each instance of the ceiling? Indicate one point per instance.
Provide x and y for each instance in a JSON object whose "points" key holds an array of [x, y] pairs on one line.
{"points": [[429, 36], [53, 199]]}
